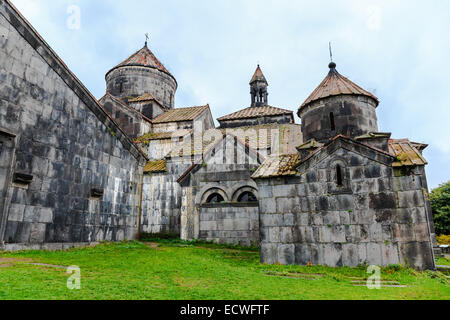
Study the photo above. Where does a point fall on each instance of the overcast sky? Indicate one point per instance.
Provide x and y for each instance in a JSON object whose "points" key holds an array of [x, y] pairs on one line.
{"points": [[399, 50]]}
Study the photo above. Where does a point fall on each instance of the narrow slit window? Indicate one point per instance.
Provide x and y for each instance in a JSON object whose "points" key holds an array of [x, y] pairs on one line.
{"points": [[339, 176], [332, 122], [121, 87]]}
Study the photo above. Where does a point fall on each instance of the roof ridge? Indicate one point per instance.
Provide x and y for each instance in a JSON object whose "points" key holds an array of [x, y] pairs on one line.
{"points": [[257, 112]]}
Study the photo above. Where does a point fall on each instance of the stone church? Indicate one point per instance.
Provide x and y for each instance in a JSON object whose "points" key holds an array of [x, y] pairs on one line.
{"points": [[74, 170]]}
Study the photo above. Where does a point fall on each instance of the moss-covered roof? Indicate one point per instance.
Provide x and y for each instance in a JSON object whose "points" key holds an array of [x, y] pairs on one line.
{"points": [[156, 166], [162, 136], [406, 152], [277, 166], [181, 114], [257, 137]]}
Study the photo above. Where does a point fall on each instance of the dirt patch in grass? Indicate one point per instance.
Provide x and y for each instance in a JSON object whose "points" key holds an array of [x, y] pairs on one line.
{"points": [[152, 245], [14, 260]]}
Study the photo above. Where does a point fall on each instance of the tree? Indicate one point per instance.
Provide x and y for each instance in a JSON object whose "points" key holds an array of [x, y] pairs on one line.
{"points": [[440, 203]]}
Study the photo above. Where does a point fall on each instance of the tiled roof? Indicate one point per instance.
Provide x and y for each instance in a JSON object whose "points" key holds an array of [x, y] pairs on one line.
{"points": [[406, 152], [335, 84], [156, 166], [256, 112], [258, 76], [311, 144], [162, 135], [278, 165], [257, 137], [144, 98], [179, 115], [145, 58], [124, 105]]}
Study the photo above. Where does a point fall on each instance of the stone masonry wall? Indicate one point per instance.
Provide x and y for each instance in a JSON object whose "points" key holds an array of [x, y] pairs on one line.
{"points": [[230, 224], [353, 116], [375, 218], [67, 150], [161, 199]]}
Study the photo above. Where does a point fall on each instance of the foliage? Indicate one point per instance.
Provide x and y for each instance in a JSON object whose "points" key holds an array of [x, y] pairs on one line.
{"points": [[177, 270], [440, 203], [443, 239]]}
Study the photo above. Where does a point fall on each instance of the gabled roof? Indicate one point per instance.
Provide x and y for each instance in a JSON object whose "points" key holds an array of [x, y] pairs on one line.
{"points": [[406, 153], [145, 98], [258, 76], [156, 166], [34, 39], [256, 112], [124, 105], [209, 148], [311, 144], [143, 58], [162, 136], [278, 166], [288, 165], [335, 84], [181, 114], [259, 137]]}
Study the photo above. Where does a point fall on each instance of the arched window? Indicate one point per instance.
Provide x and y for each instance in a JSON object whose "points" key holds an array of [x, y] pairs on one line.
{"points": [[215, 198], [247, 197], [332, 122], [339, 176]]}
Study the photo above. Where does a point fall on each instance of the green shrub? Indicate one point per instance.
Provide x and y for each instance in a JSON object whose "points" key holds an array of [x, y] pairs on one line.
{"points": [[440, 203]]}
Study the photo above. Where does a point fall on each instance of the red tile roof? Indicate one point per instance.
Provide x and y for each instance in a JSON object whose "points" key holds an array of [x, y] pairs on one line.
{"points": [[145, 58], [335, 84], [258, 76], [256, 112], [182, 114]]}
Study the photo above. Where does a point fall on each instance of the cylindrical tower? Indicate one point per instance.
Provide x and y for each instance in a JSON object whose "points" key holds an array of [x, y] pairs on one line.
{"points": [[338, 107], [140, 74]]}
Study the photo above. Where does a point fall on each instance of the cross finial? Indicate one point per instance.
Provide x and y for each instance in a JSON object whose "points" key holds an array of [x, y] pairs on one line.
{"points": [[331, 53], [146, 38]]}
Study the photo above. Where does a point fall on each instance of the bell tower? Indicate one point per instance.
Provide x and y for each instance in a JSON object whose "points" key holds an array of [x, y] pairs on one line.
{"points": [[258, 89]]}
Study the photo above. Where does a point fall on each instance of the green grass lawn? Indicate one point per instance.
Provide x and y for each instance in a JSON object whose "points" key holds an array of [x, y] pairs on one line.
{"points": [[175, 270]]}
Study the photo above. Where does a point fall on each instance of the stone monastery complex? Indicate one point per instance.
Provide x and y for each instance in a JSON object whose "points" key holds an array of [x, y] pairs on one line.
{"points": [[332, 190]]}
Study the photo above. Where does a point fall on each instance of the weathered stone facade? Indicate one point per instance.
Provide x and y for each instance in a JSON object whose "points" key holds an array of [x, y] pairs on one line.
{"points": [[70, 174], [224, 171], [375, 217], [337, 193], [131, 81]]}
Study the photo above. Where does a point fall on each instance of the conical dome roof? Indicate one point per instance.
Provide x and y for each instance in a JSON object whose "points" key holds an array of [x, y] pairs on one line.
{"points": [[258, 76], [335, 84], [144, 58]]}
